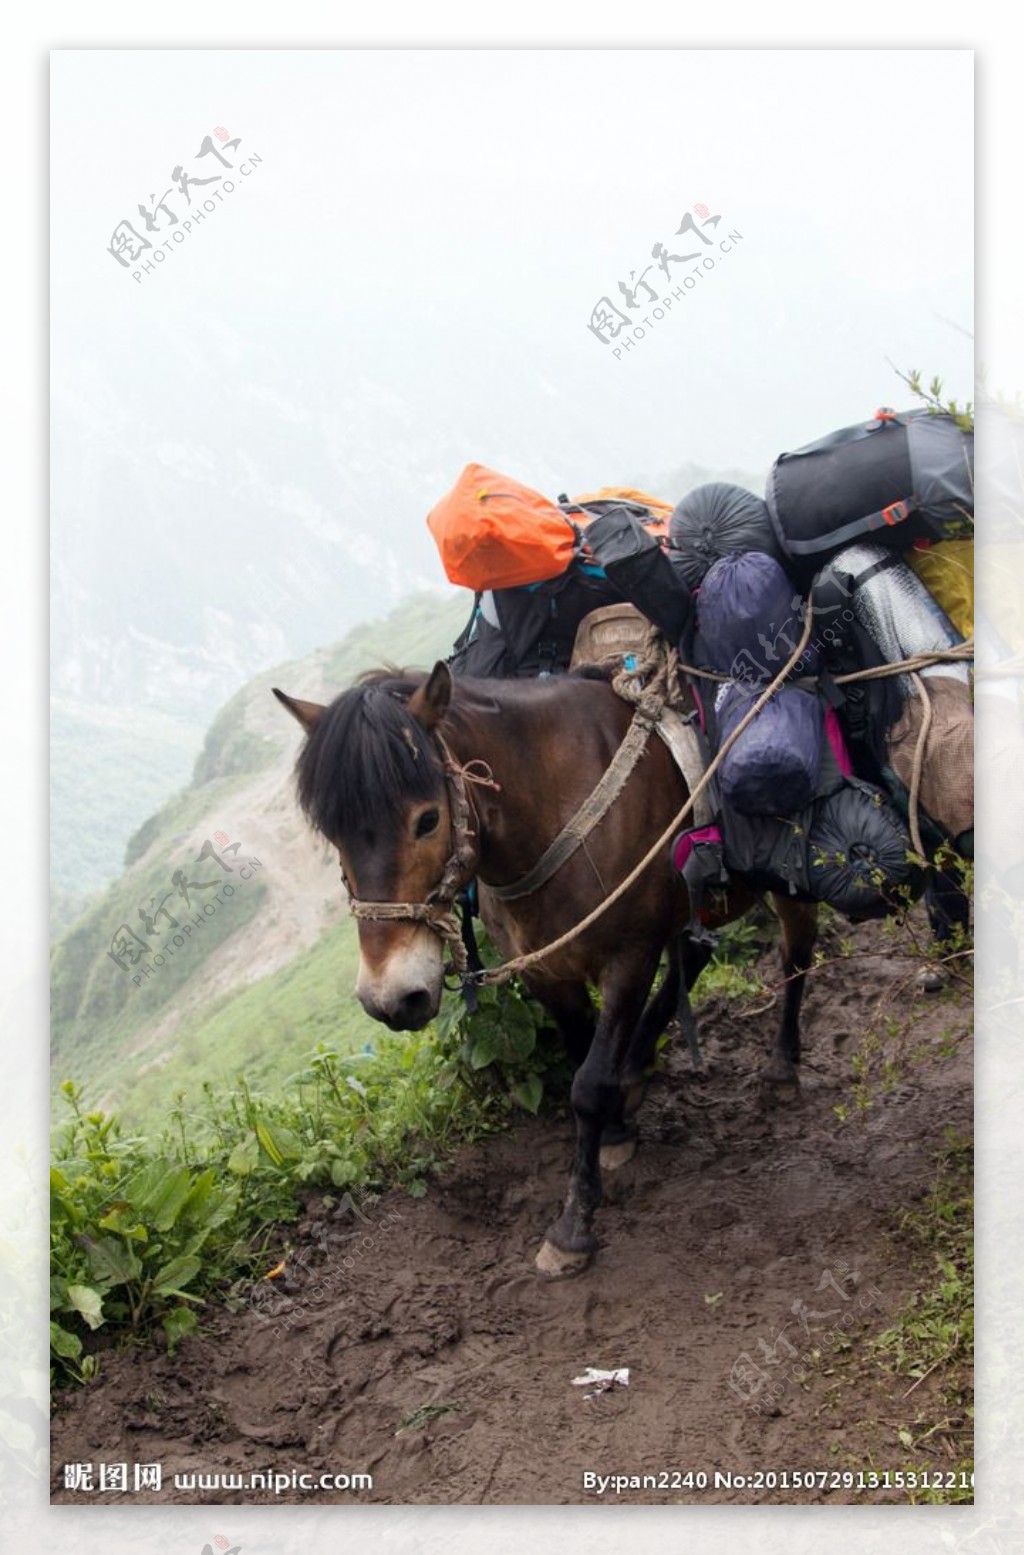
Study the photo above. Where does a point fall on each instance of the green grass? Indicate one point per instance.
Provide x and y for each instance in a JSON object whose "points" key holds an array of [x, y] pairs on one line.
{"points": [[147, 1225], [731, 973], [96, 1007], [932, 1338], [263, 1031]]}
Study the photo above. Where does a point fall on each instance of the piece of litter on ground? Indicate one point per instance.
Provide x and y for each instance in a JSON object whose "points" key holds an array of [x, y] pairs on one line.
{"points": [[602, 1381]]}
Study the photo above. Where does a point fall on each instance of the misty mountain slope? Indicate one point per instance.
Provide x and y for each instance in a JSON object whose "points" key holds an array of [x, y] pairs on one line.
{"points": [[262, 890], [109, 768]]}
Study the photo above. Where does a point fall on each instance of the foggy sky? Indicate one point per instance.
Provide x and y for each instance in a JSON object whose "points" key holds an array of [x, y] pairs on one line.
{"points": [[417, 211]]}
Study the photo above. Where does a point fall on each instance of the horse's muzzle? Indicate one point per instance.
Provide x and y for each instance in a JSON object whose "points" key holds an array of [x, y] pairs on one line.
{"points": [[411, 1012]]}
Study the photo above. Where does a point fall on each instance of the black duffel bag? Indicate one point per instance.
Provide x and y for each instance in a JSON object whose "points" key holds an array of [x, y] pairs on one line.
{"points": [[850, 849], [893, 480]]}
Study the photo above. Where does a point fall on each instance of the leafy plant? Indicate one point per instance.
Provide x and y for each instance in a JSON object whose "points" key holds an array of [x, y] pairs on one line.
{"points": [[127, 1230], [508, 1042]]}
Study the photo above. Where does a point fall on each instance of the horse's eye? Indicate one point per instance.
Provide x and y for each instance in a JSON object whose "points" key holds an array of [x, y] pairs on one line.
{"points": [[427, 823]]}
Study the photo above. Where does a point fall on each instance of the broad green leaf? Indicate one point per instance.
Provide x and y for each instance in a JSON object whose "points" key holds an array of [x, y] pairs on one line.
{"points": [[517, 1035], [528, 1092], [123, 1219], [62, 1204], [111, 1262], [198, 1196], [159, 1191], [209, 1203], [176, 1274], [280, 1144], [483, 1052], [176, 1325], [64, 1344], [244, 1157], [88, 1302]]}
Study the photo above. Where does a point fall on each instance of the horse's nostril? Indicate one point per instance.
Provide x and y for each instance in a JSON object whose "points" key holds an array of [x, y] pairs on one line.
{"points": [[409, 1012], [413, 1011]]}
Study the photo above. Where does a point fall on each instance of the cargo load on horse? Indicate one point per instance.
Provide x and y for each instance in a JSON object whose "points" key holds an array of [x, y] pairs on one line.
{"points": [[539, 568], [825, 794]]}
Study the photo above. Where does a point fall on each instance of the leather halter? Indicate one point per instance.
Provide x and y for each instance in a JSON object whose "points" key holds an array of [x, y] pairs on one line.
{"points": [[437, 911]]}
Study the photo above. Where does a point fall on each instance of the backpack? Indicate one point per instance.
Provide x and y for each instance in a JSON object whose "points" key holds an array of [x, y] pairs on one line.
{"points": [[892, 480], [529, 630], [848, 848], [626, 546], [655, 513]]}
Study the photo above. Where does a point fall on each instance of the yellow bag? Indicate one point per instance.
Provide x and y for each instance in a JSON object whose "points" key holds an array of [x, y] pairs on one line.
{"points": [[947, 571]]}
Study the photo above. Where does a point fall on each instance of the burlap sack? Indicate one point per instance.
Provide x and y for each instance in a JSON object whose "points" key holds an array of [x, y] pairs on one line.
{"points": [[605, 636], [947, 777]]}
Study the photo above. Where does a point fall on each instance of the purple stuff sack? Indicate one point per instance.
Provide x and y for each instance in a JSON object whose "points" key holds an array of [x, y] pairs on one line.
{"points": [[774, 766], [750, 618]]}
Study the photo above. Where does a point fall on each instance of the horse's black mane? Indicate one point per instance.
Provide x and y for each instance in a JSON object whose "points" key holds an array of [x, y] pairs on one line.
{"points": [[364, 752]]}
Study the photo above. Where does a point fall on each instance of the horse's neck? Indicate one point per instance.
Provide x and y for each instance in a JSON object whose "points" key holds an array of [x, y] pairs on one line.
{"points": [[528, 752]]}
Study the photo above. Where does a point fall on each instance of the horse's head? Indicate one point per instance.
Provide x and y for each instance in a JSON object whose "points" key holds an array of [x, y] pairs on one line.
{"points": [[372, 779]]}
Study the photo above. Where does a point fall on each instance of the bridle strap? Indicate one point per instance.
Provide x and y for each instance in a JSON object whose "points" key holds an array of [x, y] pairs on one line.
{"points": [[438, 910]]}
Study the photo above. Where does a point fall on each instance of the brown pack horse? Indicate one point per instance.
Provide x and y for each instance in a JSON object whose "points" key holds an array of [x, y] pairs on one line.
{"points": [[397, 774]]}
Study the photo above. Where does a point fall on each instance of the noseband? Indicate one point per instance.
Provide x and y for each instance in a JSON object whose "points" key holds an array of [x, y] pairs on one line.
{"points": [[437, 911]]}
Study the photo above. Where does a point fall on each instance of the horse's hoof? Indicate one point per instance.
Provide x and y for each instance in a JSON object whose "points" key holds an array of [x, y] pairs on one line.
{"points": [[556, 1265], [613, 1156], [780, 1083]]}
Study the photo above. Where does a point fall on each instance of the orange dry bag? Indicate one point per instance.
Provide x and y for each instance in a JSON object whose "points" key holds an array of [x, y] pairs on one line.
{"points": [[493, 533]]}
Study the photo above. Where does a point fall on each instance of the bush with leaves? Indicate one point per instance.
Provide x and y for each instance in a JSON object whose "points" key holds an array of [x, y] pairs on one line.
{"points": [[127, 1231]]}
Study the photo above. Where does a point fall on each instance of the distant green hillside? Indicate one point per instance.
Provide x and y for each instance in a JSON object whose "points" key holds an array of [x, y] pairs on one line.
{"points": [[112, 1032], [108, 768], [95, 1004]]}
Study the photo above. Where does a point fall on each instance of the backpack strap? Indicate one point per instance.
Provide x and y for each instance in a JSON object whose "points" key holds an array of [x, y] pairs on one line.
{"points": [[895, 513], [467, 631]]}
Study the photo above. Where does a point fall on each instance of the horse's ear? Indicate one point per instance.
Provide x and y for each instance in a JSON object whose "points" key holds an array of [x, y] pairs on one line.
{"points": [[305, 713], [429, 703]]}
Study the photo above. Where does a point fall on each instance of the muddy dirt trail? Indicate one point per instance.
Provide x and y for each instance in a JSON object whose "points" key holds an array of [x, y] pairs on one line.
{"points": [[749, 1256]]}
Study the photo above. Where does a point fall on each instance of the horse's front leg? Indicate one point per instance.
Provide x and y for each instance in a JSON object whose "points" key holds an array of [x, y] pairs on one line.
{"points": [[597, 1103]]}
